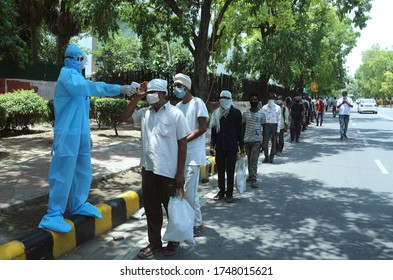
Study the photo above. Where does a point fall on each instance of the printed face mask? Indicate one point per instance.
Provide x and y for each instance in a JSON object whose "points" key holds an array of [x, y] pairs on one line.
{"points": [[270, 103], [225, 103], [152, 98], [180, 92]]}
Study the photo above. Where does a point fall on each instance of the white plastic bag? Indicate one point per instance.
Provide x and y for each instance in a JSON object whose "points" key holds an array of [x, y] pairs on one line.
{"points": [[241, 174], [180, 221]]}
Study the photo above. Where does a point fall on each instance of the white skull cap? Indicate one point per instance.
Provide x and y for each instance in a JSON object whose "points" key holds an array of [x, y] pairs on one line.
{"points": [[182, 79], [226, 93], [158, 85]]}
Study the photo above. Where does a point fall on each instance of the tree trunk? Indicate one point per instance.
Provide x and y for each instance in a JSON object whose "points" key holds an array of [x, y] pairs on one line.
{"points": [[34, 43], [200, 78], [263, 81], [61, 44]]}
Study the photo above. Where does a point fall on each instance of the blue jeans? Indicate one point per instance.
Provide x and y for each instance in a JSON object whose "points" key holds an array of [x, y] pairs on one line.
{"points": [[319, 118], [344, 120]]}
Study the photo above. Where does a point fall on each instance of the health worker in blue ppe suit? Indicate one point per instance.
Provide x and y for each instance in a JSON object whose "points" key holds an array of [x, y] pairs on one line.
{"points": [[70, 171]]}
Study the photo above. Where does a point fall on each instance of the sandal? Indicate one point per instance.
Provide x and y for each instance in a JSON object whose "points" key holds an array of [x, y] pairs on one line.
{"points": [[148, 251], [171, 249]]}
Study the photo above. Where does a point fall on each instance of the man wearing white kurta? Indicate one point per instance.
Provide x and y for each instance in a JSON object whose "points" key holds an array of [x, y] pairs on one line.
{"points": [[196, 115]]}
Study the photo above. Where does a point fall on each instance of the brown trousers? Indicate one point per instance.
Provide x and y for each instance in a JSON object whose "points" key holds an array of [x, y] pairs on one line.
{"points": [[156, 193]]}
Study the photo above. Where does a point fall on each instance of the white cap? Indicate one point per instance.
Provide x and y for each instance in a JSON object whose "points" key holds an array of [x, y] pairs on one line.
{"points": [[226, 93], [182, 79], [157, 85]]}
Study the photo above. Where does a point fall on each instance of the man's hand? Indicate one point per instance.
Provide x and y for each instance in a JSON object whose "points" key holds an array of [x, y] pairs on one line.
{"points": [[141, 92], [179, 184]]}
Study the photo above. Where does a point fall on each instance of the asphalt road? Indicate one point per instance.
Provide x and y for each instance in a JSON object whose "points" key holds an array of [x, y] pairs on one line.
{"points": [[322, 199]]}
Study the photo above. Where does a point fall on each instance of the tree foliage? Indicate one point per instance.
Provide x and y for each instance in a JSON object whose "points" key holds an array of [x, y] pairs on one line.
{"points": [[293, 42], [12, 44], [375, 73]]}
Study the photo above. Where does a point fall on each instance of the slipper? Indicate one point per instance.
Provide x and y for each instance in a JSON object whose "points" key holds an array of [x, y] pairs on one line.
{"points": [[171, 249], [148, 251]]}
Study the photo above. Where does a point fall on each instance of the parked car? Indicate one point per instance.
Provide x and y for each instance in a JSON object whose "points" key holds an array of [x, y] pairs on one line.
{"points": [[367, 105]]}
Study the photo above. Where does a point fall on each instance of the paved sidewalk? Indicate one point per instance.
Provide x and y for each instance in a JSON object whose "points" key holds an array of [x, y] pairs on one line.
{"points": [[26, 179]]}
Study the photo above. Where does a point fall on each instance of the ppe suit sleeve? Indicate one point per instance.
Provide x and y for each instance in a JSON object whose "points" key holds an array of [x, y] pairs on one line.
{"points": [[77, 85]]}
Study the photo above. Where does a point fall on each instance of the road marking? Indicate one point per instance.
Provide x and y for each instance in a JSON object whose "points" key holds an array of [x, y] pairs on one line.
{"points": [[386, 117], [381, 167]]}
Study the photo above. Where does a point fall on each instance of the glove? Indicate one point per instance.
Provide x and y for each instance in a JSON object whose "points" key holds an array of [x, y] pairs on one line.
{"points": [[126, 90]]}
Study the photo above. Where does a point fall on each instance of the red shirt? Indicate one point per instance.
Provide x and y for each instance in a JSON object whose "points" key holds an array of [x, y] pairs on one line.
{"points": [[320, 106]]}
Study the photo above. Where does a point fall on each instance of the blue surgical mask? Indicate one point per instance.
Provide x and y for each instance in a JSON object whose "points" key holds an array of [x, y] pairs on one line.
{"points": [[278, 102], [180, 92]]}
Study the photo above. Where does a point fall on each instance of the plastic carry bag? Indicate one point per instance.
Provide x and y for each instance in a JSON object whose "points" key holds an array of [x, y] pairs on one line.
{"points": [[241, 174], [180, 221]]}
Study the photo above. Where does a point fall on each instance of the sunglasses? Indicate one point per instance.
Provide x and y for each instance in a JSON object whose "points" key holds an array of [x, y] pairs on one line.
{"points": [[81, 58]]}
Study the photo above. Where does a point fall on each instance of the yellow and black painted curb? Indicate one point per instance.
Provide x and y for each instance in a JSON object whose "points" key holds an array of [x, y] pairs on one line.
{"points": [[208, 169], [47, 245]]}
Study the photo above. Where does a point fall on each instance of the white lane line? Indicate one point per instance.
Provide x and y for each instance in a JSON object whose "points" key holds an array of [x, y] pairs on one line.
{"points": [[386, 117], [381, 167]]}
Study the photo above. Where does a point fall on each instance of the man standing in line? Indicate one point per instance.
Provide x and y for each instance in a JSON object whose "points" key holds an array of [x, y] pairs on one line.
{"points": [[344, 105], [253, 120], [226, 139], [271, 128], [195, 111], [334, 106], [164, 132], [70, 171], [296, 115], [284, 125]]}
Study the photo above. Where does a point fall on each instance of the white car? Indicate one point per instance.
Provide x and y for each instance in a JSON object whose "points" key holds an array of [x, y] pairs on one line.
{"points": [[367, 105]]}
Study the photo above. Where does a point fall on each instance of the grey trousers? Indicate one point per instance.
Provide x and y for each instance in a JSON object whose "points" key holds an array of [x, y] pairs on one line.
{"points": [[252, 152]]}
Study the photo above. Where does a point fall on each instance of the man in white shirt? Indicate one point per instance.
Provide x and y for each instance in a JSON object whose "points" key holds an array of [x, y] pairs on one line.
{"points": [[195, 111], [164, 133], [344, 105], [271, 127]]}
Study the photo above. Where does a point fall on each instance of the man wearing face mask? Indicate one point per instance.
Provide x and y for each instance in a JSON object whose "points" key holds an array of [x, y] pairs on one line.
{"points": [[226, 139], [253, 120], [70, 171], [164, 133], [195, 111], [271, 128]]}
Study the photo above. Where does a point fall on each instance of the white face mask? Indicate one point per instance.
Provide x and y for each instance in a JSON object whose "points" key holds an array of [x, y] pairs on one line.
{"points": [[152, 98], [225, 103], [270, 103]]}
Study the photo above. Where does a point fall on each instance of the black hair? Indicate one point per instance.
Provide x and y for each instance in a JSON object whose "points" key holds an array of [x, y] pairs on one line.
{"points": [[272, 95], [252, 94]]}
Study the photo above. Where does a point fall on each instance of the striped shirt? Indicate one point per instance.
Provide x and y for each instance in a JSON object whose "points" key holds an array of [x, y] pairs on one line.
{"points": [[253, 122]]}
